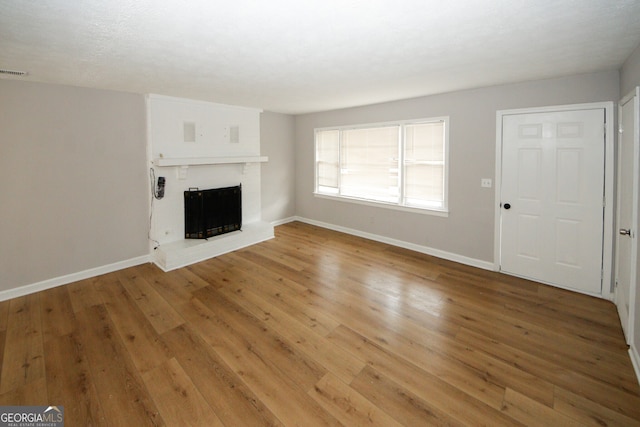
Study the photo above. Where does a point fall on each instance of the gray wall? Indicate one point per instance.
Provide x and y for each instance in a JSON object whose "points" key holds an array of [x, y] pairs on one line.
{"points": [[278, 175], [469, 229], [73, 180], [630, 73]]}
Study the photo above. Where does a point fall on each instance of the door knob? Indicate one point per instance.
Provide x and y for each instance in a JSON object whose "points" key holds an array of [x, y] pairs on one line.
{"points": [[507, 206], [625, 232]]}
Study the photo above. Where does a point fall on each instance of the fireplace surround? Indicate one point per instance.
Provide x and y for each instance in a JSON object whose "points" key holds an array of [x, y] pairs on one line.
{"points": [[225, 153]]}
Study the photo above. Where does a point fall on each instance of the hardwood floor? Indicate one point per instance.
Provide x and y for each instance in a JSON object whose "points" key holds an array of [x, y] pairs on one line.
{"points": [[317, 328]]}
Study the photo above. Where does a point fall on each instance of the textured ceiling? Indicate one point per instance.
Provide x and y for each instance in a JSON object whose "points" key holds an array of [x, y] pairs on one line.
{"points": [[297, 56]]}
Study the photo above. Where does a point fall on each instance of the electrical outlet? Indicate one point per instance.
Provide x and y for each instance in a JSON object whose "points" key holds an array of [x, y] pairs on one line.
{"points": [[485, 182]]}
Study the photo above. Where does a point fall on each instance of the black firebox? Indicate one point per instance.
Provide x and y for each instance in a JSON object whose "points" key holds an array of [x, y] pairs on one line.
{"points": [[208, 213]]}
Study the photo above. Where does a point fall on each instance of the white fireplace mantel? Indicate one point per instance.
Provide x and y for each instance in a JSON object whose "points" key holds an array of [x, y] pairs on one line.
{"points": [[195, 161]]}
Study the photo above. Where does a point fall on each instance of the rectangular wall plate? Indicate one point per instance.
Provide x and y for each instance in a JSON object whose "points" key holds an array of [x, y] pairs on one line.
{"points": [[189, 131], [234, 134], [181, 172]]}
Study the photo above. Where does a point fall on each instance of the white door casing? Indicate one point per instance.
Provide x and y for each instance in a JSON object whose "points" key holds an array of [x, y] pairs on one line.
{"points": [[550, 169], [627, 212]]}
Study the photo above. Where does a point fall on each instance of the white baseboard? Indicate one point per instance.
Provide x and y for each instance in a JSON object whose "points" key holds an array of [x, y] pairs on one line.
{"points": [[485, 265], [635, 360], [74, 277], [70, 278], [284, 221]]}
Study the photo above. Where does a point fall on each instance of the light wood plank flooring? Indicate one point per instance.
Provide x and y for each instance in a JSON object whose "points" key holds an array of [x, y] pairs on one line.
{"points": [[317, 328]]}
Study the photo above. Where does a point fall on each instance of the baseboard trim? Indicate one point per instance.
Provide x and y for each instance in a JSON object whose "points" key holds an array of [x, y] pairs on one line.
{"points": [[485, 265], [70, 278], [86, 274], [635, 360], [284, 221]]}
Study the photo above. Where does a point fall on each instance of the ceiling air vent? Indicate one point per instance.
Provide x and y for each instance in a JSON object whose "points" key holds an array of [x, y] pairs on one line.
{"points": [[13, 73]]}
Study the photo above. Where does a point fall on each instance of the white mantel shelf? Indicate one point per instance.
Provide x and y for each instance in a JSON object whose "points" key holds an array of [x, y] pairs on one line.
{"points": [[195, 161]]}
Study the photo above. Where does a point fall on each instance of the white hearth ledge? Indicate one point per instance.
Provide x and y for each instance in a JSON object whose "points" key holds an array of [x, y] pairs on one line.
{"points": [[173, 255]]}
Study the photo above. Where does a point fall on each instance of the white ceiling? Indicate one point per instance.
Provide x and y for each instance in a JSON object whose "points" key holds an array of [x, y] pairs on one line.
{"points": [[297, 56]]}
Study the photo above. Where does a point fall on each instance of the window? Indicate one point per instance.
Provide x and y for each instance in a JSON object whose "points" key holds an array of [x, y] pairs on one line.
{"points": [[397, 164]]}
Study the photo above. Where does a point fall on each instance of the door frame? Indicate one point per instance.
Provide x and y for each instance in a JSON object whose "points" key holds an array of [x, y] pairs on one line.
{"points": [[609, 201]]}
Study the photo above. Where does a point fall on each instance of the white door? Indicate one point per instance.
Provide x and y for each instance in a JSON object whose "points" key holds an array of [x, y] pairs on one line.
{"points": [[626, 243], [552, 192]]}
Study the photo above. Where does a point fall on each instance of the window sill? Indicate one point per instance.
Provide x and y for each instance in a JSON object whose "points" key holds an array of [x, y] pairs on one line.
{"points": [[423, 211]]}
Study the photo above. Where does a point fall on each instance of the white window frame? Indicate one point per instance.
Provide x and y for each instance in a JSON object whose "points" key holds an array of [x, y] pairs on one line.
{"points": [[441, 211]]}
